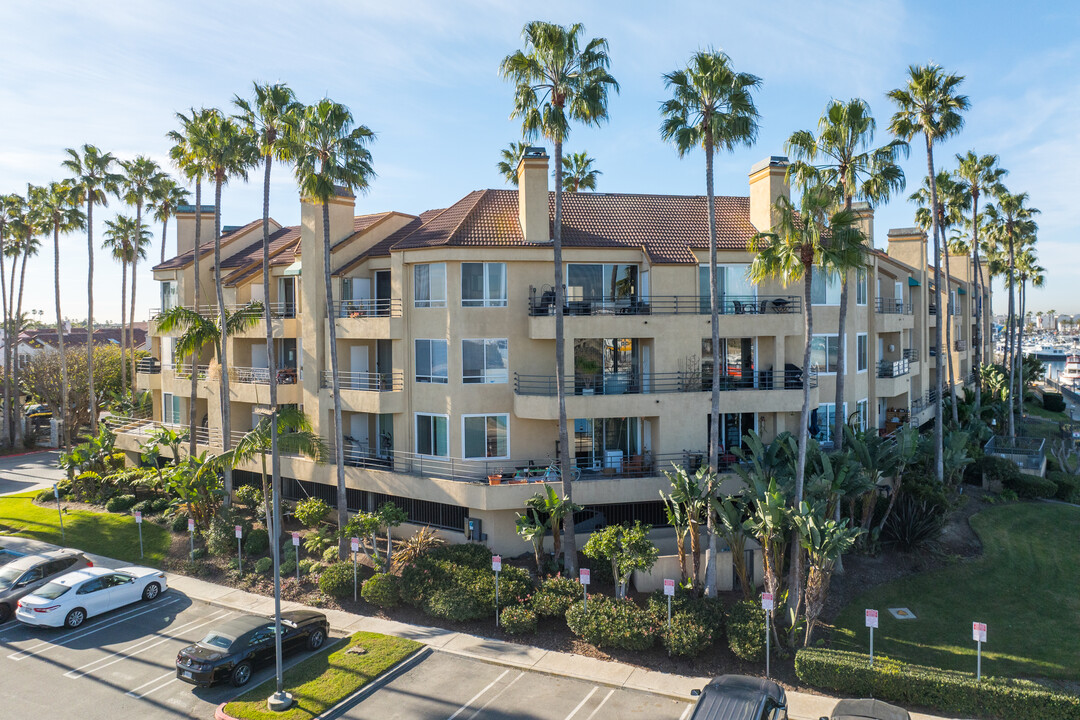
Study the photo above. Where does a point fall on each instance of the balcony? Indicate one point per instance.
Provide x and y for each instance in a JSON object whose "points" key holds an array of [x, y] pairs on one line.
{"points": [[911, 354], [363, 319], [283, 316], [544, 304], [247, 384], [960, 345], [892, 315], [1027, 452], [370, 392], [892, 378], [148, 373], [892, 306], [893, 368], [635, 394]]}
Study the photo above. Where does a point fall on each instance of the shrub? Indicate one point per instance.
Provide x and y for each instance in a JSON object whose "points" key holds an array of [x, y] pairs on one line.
{"points": [[220, 538], [687, 635], [159, 505], [1053, 402], [120, 503], [198, 553], [471, 555], [995, 470], [947, 691], [912, 525], [337, 580], [287, 568], [249, 496], [263, 565], [44, 496], [311, 512], [308, 566], [179, 523], [1068, 486], [707, 612], [330, 555], [143, 506], [257, 541], [922, 486], [746, 631], [555, 596], [455, 591], [518, 620], [606, 622], [1032, 486], [382, 589]]}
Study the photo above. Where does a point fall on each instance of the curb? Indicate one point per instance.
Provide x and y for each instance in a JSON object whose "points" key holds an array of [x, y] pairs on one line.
{"points": [[220, 714], [28, 452]]}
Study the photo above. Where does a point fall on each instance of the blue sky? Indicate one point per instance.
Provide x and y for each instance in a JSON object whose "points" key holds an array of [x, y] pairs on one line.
{"points": [[424, 77]]}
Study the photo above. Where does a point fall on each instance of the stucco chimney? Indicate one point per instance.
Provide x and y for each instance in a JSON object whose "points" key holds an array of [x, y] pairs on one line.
{"points": [[185, 228], [908, 245], [767, 184], [864, 218], [532, 174]]}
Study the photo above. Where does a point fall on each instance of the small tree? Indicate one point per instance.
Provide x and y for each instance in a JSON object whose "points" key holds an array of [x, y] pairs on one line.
{"points": [[390, 515], [532, 529], [691, 492], [680, 523], [549, 504], [627, 548], [311, 512], [729, 513], [197, 487], [364, 526], [824, 540]]}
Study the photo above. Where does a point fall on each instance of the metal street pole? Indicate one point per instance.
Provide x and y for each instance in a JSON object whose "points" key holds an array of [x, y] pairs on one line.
{"points": [[280, 700]]}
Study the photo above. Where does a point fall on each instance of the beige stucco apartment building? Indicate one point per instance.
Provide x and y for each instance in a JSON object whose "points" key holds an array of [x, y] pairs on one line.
{"points": [[445, 332]]}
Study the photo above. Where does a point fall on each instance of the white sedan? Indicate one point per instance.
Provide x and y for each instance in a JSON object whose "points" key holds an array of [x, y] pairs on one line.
{"points": [[70, 599]]}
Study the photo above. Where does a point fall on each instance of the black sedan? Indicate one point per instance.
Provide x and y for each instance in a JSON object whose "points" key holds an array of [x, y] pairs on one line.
{"points": [[232, 650]]}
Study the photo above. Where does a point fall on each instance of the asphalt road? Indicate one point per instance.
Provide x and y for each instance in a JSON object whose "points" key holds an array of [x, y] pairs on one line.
{"points": [[118, 665], [450, 687], [19, 473]]}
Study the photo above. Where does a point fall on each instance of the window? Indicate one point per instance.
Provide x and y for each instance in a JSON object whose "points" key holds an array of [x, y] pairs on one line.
{"points": [[824, 288], [170, 409], [860, 352], [168, 295], [861, 408], [485, 436], [731, 283], [860, 286], [601, 283], [825, 353], [822, 421], [429, 285], [431, 361], [483, 284], [431, 435], [484, 361]]}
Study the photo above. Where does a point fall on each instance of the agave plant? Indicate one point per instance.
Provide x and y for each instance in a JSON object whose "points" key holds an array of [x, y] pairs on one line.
{"points": [[412, 549], [913, 526]]}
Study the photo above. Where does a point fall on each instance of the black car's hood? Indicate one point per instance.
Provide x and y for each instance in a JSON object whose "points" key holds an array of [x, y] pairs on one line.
{"points": [[202, 653]]}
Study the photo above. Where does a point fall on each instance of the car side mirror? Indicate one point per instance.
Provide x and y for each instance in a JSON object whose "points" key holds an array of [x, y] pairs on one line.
{"points": [[695, 693]]}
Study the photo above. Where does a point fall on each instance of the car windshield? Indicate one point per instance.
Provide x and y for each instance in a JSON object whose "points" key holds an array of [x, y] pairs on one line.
{"points": [[8, 575], [217, 641], [52, 591]]}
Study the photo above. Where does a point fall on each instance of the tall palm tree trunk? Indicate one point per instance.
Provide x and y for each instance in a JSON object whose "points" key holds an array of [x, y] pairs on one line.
{"points": [[1012, 328], [90, 312], [223, 343], [795, 575], [123, 329], [164, 229], [19, 429], [714, 427], [11, 391], [1020, 351], [193, 403], [8, 416], [66, 439], [978, 301], [131, 315], [565, 469], [841, 357], [939, 434], [339, 443], [948, 328], [275, 459]]}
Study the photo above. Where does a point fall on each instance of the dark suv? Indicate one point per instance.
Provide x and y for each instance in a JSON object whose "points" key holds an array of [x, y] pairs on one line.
{"points": [[26, 574], [739, 697]]}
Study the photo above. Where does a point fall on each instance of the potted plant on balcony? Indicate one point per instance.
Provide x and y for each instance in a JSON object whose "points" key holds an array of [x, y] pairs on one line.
{"points": [[587, 371]]}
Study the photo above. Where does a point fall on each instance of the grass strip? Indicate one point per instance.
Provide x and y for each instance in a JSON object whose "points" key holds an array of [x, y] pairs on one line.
{"points": [[110, 534], [326, 678]]}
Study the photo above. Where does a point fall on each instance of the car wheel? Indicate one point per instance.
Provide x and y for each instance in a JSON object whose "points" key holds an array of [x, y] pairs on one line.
{"points": [[241, 674], [316, 639], [151, 591], [75, 618], [5, 612]]}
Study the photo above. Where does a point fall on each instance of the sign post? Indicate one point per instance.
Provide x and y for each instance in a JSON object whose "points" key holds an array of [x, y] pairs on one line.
{"points": [[296, 544], [496, 565], [239, 555], [191, 532], [669, 590], [767, 606], [355, 543], [871, 622], [138, 521], [978, 634], [584, 578], [59, 511]]}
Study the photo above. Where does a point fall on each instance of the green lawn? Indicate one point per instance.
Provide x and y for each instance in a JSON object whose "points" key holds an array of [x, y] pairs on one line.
{"points": [[111, 534], [1037, 410], [1025, 587], [326, 678]]}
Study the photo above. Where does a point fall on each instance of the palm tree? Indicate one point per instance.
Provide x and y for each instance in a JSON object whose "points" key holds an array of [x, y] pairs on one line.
{"points": [[11, 208], [1027, 269], [840, 157], [26, 228], [141, 177], [816, 234], [556, 81], [980, 174], [188, 153], [165, 198], [94, 181], [511, 156], [119, 237], [58, 207], [330, 152], [929, 104], [578, 173], [712, 107], [229, 153]]}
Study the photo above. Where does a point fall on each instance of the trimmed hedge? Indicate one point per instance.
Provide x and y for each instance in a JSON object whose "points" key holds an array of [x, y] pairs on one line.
{"points": [[555, 596], [263, 565], [1030, 487], [608, 622], [687, 635], [455, 582], [382, 589], [337, 580], [1068, 486], [256, 542], [746, 631], [1053, 402], [945, 690], [120, 503], [518, 620]]}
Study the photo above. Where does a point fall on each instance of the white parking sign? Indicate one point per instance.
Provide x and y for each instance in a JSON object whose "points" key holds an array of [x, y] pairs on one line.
{"points": [[296, 539], [766, 601], [239, 531], [871, 618], [978, 632]]}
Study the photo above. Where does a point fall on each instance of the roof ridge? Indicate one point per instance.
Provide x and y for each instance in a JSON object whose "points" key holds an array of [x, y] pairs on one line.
{"points": [[480, 194]]}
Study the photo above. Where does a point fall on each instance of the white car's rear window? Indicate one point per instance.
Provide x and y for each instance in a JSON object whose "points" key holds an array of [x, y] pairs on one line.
{"points": [[52, 590]]}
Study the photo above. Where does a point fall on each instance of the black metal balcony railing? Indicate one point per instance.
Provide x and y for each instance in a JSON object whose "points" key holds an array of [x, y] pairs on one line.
{"points": [[183, 370], [277, 310], [630, 383], [366, 381], [1027, 452], [961, 345], [376, 307], [261, 376], [544, 304], [892, 306], [148, 366], [893, 369], [933, 309], [911, 354]]}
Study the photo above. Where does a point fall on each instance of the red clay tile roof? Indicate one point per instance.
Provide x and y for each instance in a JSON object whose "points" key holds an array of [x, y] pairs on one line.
{"points": [[284, 247], [667, 227], [206, 245], [253, 252], [382, 248], [362, 223]]}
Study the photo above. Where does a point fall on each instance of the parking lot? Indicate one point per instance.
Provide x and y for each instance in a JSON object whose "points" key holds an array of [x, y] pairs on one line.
{"points": [[120, 664], [449, 687]]}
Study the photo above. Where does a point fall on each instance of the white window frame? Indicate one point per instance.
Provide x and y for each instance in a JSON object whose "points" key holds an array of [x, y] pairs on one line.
{"points": [[169, 288], [832, 284], [485, 378], [433, 300], [861, 286], [866, 352], [429, 378], [485, 415], [416, 433], [486, 301], [862, 407], [825, 370]]}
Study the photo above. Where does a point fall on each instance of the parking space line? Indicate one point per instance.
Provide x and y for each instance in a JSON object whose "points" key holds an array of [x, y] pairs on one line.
{"points": [[131, 692], [597, 708], [686, 712], [130, 650], [30, 652], [475, 697], [167, 682], [574, 711], [496, 695]]}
